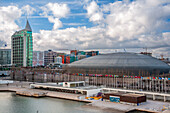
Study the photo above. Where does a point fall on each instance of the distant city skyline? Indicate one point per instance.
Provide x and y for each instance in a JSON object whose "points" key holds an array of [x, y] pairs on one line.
{"points": [[104, 25]]}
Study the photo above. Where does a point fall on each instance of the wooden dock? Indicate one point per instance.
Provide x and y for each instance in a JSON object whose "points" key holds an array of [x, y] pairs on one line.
{"points": [[31, 93]]}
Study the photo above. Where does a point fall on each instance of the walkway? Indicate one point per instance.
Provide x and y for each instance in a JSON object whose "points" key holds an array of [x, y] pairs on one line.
{"points": [[153, 94]]}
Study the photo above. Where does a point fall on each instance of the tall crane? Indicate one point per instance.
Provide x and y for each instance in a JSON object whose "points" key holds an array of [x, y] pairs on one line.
{"points": [[146, 51]]}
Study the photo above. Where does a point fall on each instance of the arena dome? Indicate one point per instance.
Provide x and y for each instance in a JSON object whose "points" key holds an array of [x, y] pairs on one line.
{"points": [[120, 63]]}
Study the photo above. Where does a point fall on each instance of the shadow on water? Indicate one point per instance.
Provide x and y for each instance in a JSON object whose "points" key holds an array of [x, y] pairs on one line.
{"points": [[12, 103]]}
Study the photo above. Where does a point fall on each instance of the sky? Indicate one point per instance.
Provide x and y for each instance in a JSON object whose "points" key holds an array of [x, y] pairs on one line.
{"points": [[104, 25]]}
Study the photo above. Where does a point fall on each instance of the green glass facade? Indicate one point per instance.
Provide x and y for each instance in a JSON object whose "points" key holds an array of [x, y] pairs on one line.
{"points": [[22, 48], [29, 48]]}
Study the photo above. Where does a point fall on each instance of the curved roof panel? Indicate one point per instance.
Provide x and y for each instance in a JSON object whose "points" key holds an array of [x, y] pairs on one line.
{"points": [[120, 60]]}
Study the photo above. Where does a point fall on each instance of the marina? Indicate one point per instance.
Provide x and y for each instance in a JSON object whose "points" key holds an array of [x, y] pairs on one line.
{"points": [[150, 105]]}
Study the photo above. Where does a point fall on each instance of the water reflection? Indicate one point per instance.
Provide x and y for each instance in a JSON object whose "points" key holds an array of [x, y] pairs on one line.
{"points": [[11, 103]]}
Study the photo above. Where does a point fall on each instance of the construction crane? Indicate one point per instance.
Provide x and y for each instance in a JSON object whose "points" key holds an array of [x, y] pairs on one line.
{"points": [[146, 51]]}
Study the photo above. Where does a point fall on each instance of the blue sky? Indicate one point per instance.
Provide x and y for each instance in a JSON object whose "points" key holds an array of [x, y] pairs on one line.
{"points": [[105, 25], [76, 18]]}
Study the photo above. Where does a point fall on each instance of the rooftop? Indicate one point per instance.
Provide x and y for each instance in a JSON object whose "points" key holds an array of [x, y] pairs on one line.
{"points": [[28, 27], [121, 59], [54, 85]]}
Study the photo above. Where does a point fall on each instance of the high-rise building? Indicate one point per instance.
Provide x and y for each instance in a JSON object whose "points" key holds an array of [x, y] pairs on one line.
{"points": [[22, 47], [5, 56]]}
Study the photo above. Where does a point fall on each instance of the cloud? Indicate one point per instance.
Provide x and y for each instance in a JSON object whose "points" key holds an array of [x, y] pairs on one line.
{"points": [[121, 24], [57, 10], [131, 20], [74, 24], [93, 12], [54, 12], [8, 16], [134, 24], [28, 10], [56, 21], [8, 26], [69, 38], [2, 43]]}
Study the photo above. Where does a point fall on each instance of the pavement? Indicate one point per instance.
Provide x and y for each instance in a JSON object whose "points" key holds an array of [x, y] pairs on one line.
{"points": [[166, 111], [20, 86], [155, 106]]}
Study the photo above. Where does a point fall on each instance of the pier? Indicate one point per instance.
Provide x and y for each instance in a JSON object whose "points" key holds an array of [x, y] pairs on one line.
{"points": [[31, 93]]}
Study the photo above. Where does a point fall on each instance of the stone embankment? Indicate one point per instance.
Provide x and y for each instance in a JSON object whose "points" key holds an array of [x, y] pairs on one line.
{"points": [[24, 89]]}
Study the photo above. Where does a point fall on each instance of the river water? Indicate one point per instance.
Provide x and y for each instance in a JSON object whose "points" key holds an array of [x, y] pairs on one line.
{"points": [[11, 103]]}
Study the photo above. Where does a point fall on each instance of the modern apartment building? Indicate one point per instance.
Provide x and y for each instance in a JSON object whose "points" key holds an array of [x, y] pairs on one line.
{"points": [[49, 57], [5, 56], [22, 47]]}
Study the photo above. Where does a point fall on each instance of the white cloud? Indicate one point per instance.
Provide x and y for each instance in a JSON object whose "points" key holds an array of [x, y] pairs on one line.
{"points": [[8, 16], [93, 12], [130, 20], [74, 24], [69, 38], [8, 26], [28, 10], [96, 17], [54, 12], [56, 21], [134, 24], [92, 8], [57, 10]]}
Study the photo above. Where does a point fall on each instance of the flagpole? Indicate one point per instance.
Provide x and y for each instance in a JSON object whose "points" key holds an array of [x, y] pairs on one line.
{"points": [[133, 82], [159, 86], [150, 82], [162, 85], [156, 84]]}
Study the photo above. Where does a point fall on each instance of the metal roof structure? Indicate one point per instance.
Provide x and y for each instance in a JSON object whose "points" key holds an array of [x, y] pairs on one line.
{"points": [[121, 60]]}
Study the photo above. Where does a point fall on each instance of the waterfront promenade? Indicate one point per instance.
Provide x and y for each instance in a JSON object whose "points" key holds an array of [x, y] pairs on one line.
{"points": [[20, 86], [155, 106], [151, 95]]}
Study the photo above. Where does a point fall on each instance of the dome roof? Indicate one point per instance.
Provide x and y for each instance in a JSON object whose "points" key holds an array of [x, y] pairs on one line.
{"points": [[121, 60]]}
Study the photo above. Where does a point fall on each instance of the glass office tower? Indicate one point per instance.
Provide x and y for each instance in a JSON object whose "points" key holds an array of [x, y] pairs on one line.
{"points": [[22, 47]]}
